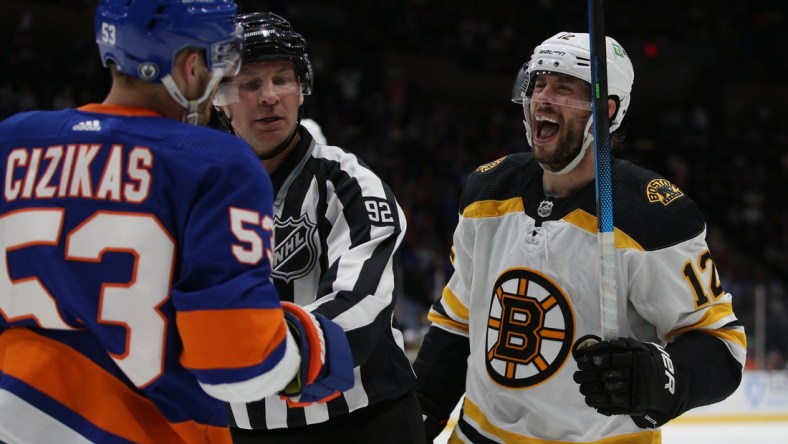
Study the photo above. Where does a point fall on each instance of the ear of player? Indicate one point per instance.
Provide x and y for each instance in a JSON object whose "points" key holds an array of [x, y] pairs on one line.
{"points": [[627, 377], [326, 361]]}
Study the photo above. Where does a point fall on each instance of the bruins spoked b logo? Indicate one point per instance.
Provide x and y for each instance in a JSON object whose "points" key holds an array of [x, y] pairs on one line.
{"points": [[530, 329]]}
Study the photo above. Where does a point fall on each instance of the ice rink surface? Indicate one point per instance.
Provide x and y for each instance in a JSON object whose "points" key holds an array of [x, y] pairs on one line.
{"points": [[726, 433], [735, 432]]}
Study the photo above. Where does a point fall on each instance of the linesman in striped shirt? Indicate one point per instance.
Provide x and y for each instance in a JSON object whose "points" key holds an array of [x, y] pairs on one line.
{"points": [[337, 229]]}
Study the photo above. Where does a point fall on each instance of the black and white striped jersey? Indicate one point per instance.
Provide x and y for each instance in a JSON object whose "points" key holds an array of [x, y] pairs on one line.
{"points": [[337, 230]]}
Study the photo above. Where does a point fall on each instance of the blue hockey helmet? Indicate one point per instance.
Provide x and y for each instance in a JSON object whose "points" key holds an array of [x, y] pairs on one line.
{"points": [[142, 37]]}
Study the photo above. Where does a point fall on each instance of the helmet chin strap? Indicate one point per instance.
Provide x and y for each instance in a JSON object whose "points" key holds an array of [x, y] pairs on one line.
{"points": [[588, 139], [281, 147], [191, 106]]}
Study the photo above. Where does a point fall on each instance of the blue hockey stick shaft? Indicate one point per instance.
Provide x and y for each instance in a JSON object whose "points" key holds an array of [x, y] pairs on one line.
{"points": [[604, 191]]}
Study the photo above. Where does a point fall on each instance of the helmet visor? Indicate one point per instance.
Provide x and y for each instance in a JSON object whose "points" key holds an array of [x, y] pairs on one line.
{"points": [[236, 89], [226, 55], [528, 89], [520, 84]]}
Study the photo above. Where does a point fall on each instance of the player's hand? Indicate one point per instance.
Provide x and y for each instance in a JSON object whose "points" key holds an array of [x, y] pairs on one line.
{"points": [[433, 422], [627, 377], [326, 361]]}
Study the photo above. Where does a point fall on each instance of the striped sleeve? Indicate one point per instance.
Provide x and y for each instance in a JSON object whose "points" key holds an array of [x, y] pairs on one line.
{"points": [[367, 226]]}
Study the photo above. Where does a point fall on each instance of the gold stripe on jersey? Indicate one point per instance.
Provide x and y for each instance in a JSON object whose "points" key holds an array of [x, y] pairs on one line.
{"points": [[457, 307], [711, 316], [434, 316], [735, 336], [588, 222], [493, 208], [471, 411]]}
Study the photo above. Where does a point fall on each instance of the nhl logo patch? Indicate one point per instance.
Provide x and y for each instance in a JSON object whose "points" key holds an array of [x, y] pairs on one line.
{"points": [[295, 248], [661, 190], [545, 208]]}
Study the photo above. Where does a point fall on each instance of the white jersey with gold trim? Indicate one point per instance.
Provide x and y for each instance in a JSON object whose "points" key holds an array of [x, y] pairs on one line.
{"points": [[525, 287]]}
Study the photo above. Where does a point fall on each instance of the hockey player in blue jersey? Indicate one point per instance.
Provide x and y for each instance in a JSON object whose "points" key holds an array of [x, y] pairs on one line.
{"points": [[135, 287]]}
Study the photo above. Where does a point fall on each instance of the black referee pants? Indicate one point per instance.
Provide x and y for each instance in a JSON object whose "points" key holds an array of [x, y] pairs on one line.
{"points": [[391, 422]]}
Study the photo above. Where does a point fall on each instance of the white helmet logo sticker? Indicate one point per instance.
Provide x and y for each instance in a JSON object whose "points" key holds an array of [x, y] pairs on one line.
{"points": [[148, 71]]}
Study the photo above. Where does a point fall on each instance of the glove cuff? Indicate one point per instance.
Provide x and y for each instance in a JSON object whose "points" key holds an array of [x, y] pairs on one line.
{"points": [[306, 329], [670, 390]]}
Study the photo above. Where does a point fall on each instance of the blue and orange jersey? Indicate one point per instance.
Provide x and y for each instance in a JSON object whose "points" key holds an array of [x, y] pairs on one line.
{"points": [[135, 290]]}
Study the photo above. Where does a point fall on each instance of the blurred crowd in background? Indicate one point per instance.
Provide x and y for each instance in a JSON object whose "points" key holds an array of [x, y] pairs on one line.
{"points": [[420, 90]]}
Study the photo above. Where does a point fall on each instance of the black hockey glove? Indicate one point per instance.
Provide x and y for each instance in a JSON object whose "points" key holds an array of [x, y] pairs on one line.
{"points": [[627, 377], [433, 422]]}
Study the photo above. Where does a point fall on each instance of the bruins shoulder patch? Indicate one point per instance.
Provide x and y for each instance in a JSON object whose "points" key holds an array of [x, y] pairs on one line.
{"points": [[490, 165], [661, 190]]}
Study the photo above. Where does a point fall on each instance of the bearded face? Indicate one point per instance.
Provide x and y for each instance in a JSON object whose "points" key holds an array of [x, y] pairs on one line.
{"points": [[558, 137], [559, 112]]}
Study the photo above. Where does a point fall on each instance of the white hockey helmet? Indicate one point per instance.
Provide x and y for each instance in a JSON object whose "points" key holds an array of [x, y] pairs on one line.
{"points": [[568, 53]]}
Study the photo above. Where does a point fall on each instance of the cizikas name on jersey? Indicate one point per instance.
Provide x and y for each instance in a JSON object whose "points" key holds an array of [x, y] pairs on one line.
{"points": [[61, 171]]}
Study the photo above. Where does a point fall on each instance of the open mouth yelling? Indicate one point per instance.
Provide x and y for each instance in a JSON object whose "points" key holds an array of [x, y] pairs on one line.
{"points": [[545, 129]]}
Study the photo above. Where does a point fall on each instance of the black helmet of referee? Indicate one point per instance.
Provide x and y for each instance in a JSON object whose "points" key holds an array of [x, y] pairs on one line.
{"points": [[267, 36]]}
